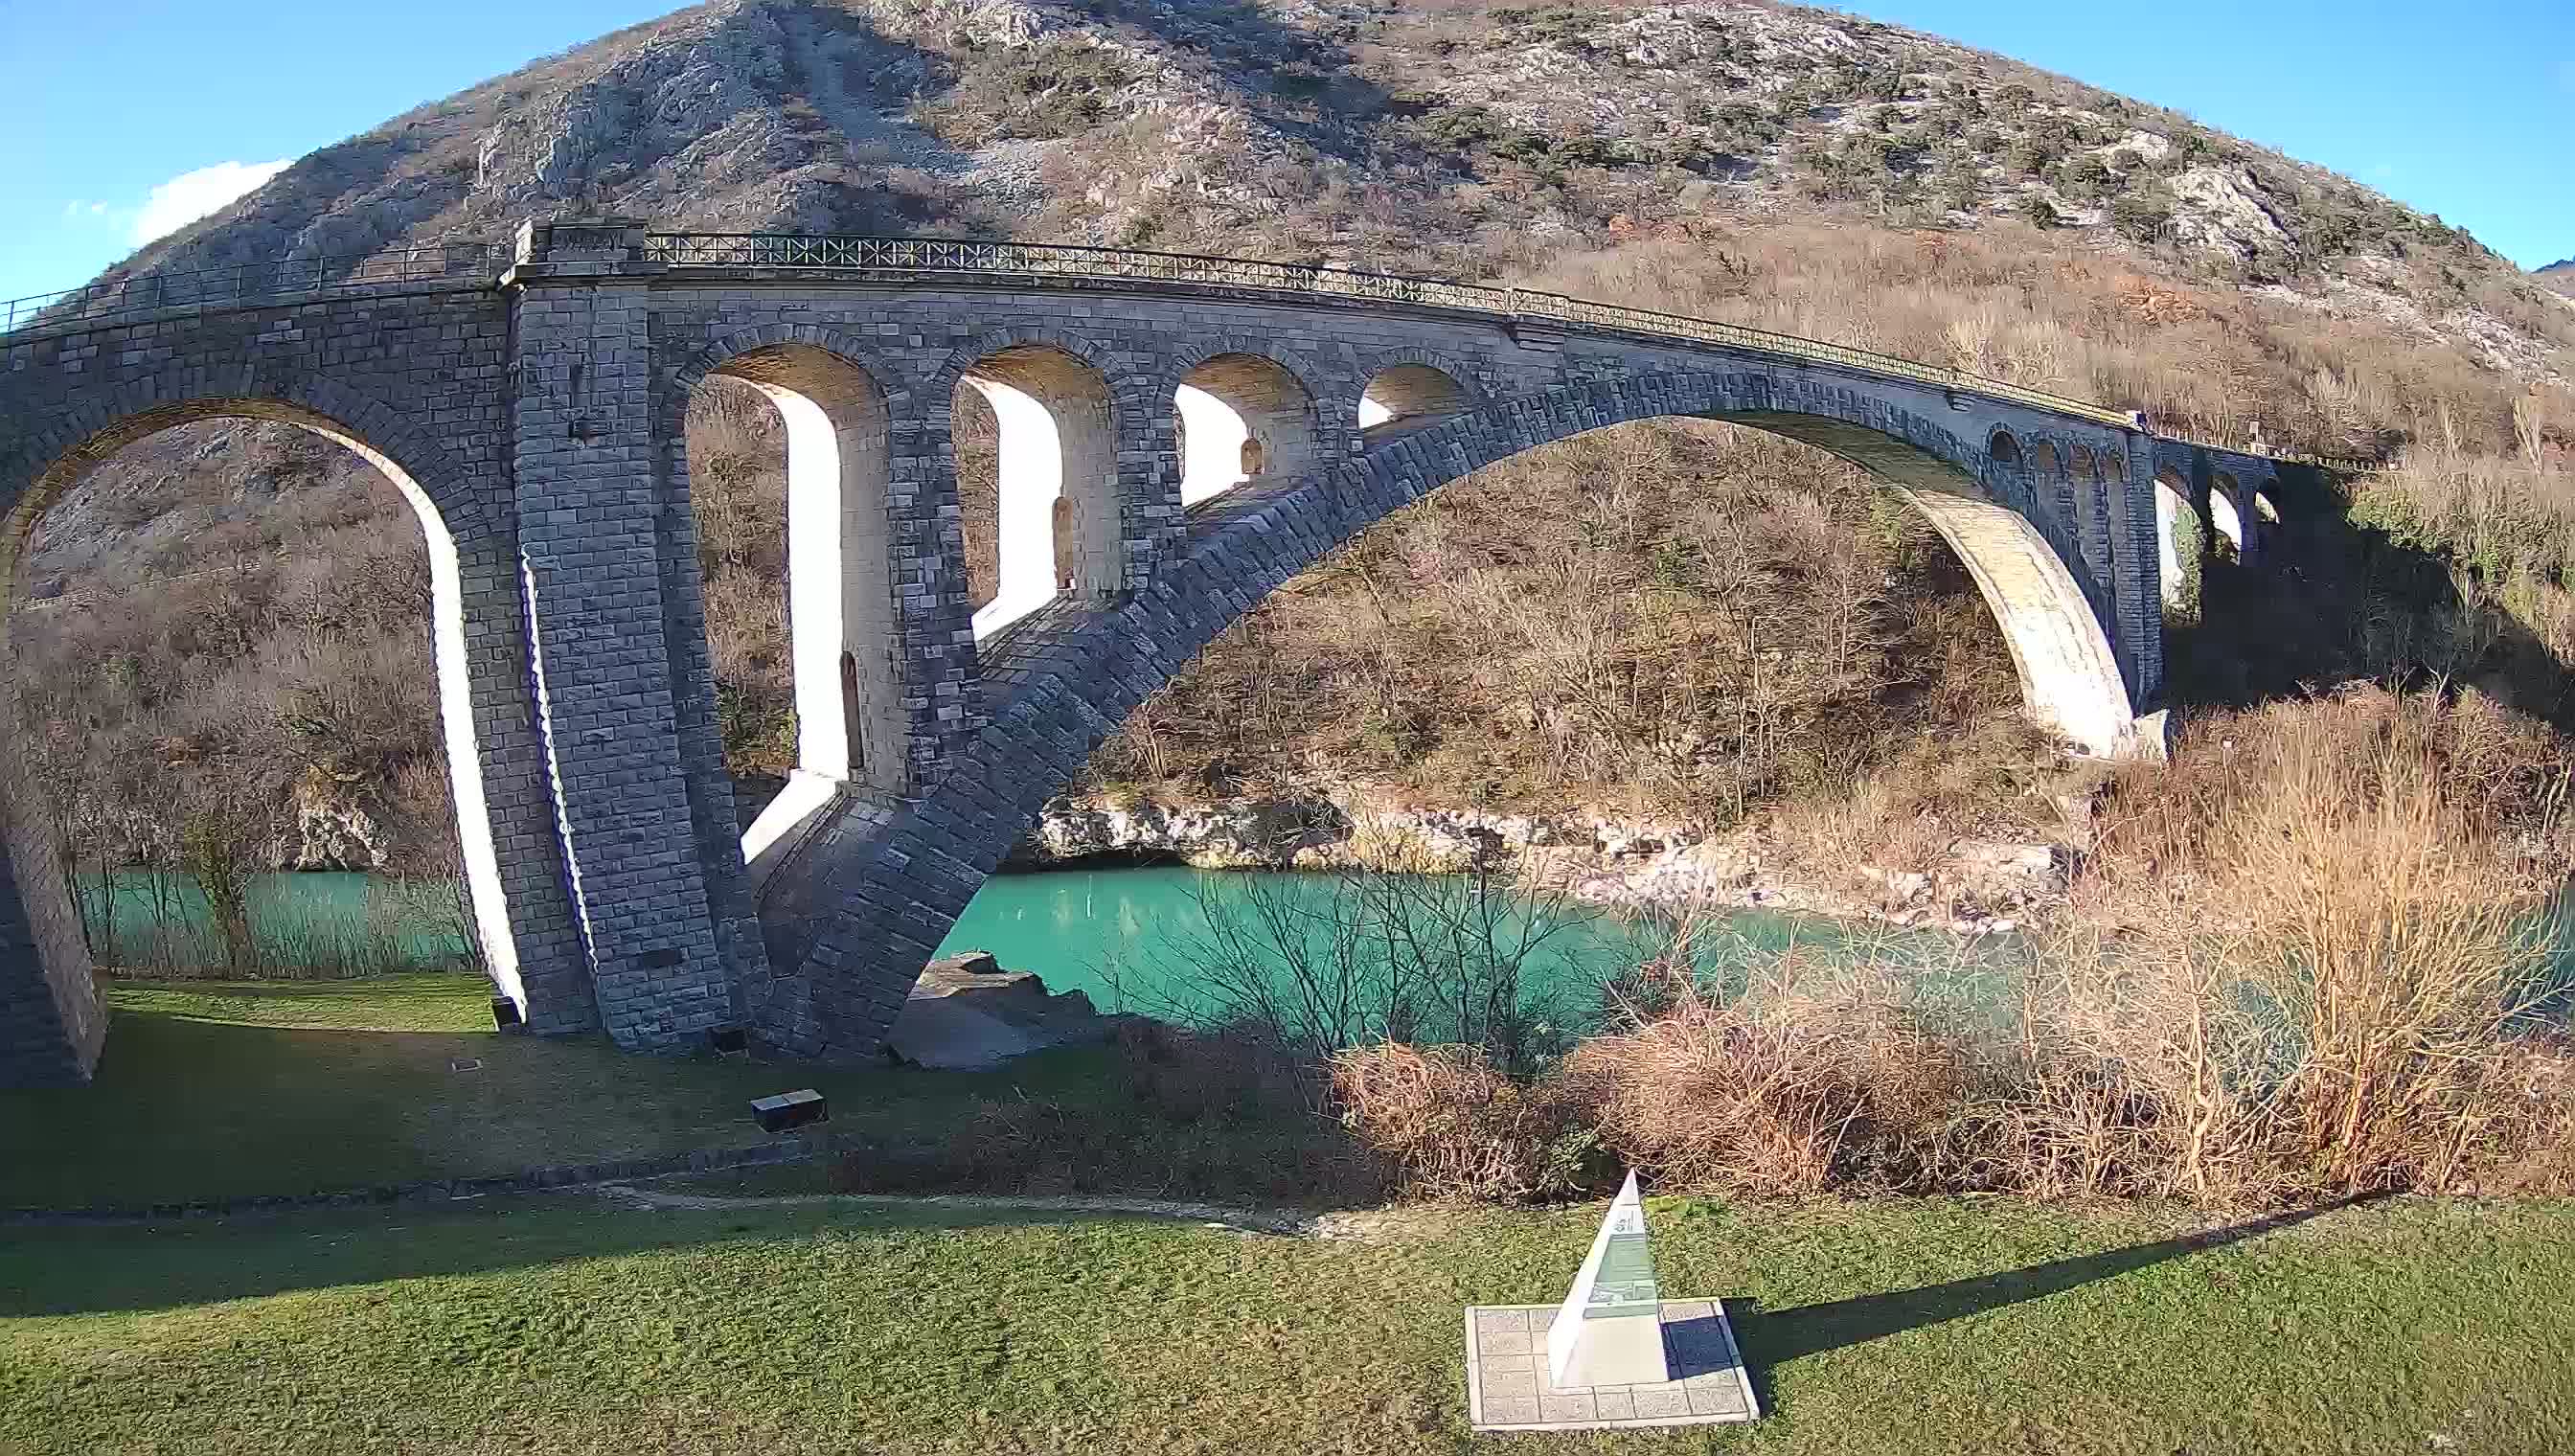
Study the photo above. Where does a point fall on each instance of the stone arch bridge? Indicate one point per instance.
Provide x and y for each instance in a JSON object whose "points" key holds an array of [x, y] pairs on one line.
{"points": [[1169, 440]]}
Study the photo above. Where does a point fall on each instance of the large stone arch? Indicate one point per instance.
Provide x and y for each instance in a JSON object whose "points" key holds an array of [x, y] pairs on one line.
{"points": [[478, 634], [872, 910]]}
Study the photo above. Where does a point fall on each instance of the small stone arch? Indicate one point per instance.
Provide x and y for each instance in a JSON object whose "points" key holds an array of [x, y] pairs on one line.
{"points": [[843, 603], [2044, 460], [1405, 392], [2004, 449], [1042, 422], [2266, 509], [1241, 415], [851, 350], [2178, 541], [2091, 532]]}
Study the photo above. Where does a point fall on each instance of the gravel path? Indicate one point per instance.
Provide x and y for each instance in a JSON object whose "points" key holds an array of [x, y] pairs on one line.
{"points": [[1352, 1226]]}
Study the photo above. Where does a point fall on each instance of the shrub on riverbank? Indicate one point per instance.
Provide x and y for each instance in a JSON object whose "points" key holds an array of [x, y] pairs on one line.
{"points": [[2315, 960]]}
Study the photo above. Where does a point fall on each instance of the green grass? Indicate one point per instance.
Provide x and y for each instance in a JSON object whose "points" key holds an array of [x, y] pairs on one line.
{"points": [[211, 1089], [1902, 1326]]}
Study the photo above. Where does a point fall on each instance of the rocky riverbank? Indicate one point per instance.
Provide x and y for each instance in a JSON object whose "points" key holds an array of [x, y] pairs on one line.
{"points": [[1977, 887]]}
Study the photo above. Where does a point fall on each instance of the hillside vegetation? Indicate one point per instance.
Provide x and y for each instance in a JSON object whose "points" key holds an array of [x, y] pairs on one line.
{"points": [[1671, 619]]}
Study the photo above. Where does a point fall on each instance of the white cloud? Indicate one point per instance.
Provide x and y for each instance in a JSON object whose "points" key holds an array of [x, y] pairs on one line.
{"points": [[191, 195]]}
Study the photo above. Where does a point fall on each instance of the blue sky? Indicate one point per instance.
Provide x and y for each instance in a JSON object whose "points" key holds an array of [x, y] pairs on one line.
{"points": [[126, 117]]}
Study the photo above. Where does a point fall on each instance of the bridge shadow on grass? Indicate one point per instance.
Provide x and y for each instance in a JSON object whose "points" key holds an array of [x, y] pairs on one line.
{"points": [[1772, 1339], [89, 1269], [187, 1107]]}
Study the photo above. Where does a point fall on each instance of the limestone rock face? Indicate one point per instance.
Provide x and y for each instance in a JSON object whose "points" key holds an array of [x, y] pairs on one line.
{"points": [[1977, 887], [332, 833], [2225, 211]]}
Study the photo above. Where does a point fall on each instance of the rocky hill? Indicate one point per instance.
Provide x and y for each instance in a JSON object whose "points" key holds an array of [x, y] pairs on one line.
{"points": [[230, 600], [1462, 137], [2559, 275]]}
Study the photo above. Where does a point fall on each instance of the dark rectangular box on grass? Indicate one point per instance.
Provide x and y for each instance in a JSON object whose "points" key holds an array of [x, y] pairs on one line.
{"points": [[789, 1109]]}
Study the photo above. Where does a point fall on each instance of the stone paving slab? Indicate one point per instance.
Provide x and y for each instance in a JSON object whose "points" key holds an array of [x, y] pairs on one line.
{"points": [[1509, 1388]]}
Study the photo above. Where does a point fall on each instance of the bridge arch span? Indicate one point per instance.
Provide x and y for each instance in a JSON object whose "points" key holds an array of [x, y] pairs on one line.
{"points": [[2227, 512], [492, 747], [874, 907]]}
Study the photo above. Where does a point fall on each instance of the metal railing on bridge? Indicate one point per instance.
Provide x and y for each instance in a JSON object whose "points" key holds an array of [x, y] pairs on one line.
{"points": [[244, 284]]}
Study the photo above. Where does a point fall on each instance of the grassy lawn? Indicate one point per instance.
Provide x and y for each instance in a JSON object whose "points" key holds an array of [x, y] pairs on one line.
{"points": [[210, 1089], [1903, 1326]]}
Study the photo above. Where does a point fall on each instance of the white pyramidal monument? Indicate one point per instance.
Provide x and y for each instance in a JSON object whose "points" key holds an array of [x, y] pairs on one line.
{"points": [[1610, 1329]]}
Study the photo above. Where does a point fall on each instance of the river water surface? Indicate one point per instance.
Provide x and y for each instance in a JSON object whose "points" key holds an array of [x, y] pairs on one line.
{"points": [[1132, 939]]}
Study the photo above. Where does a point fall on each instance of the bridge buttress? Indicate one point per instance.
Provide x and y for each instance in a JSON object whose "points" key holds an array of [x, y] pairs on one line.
{"points": [[623, 688], [2137, 567]]}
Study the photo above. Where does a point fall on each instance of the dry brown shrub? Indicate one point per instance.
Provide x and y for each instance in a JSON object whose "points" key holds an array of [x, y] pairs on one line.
{"points": [[1455, 1125], [1234, 1073], [2153, 301], [2523, 1141], [1820, 1080], [2345, 1017]]}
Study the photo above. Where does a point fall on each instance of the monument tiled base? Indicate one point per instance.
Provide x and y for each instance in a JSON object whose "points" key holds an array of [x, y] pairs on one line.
{"points": [[1509, 1388]]}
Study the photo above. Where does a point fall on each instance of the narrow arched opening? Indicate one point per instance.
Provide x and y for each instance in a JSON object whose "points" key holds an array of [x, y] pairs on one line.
{"points": [[2088, 523], [1241, 418], [788, 480], [1036, 483], [2264, 509], [2004, 449], [2177, 541], [1402, 398], [2223, 514], [2042, 462], [238, 649]]}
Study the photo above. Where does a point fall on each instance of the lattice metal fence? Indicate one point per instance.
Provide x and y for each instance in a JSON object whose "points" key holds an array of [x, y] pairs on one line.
{"points": [[242, 285]]}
